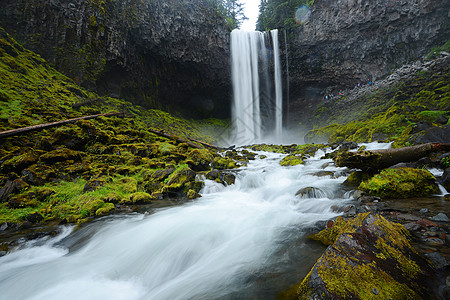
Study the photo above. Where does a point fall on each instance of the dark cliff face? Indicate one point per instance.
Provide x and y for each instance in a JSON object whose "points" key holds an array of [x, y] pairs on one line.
{"points": [[345, 42], [162, 53]]}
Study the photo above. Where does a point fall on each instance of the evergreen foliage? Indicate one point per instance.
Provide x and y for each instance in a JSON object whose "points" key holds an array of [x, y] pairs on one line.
{"points": [[231, 10], [279, 14]]}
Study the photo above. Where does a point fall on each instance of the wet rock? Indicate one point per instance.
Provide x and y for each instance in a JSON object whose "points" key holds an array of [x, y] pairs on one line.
{"points": [[12, 187], [426, 223], [434, 242], [355, 178], [437, 259], [445, 179], [366, 255], [228, 178], [291, 160], [213, 174], [408, 217], [310, 192], [323, 174], [440, 217], [348, 146], [358, 194], [437, 134], [412, 226], [34, 218]]}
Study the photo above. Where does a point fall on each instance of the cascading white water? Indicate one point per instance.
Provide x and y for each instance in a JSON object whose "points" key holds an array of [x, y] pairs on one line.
{"points": [[254, 106], [220, 246], [278, 87]]}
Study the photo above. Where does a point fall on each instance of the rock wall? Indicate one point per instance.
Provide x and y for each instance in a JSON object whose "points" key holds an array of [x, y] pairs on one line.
{"points": [[160, 53], [345, 42]]}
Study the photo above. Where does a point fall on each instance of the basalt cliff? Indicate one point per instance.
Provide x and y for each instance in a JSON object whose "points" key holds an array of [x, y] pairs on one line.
{"points": [[165, 53], [347, 42]]}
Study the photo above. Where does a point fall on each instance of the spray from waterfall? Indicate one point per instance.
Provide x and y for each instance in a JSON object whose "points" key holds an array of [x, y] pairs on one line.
{"points": [[257, 87]]}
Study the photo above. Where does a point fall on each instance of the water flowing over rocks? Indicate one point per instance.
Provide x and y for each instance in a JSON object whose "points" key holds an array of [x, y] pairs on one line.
{"points": [[158, 53]]}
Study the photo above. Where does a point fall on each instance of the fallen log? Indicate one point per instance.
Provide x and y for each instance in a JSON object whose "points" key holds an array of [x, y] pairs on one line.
{"points": [[384, 158], [23, 130], [191, 143]]}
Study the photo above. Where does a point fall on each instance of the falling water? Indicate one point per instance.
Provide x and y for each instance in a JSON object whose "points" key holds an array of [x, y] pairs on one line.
{"points": [[278, 87], [256, 110]]}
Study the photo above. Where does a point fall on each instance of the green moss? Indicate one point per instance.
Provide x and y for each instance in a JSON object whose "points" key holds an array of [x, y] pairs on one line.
{"points": [[355, 178], [322, 134], [138, 198], [291, 160], [330, 235], [349, 271], [432, 116], [401, 183]]}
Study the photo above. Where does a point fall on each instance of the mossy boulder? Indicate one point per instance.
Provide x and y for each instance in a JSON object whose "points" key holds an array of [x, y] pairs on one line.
{"points": [[356, 177], [401, 183], [370, 258], [199, 159], [138, 198], [61, 154], [291, 160], [19, 162], [222, 163], [179, 178]]}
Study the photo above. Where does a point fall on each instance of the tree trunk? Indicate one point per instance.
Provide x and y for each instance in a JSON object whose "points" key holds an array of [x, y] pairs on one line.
{"points": [[22, 130], [384, 158]]}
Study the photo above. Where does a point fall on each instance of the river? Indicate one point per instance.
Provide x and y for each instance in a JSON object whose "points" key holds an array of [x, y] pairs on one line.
{"points": [[243, 241]]}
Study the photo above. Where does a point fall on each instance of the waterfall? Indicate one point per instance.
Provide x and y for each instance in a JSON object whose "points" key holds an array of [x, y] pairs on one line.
{"points": [[256, 110]]}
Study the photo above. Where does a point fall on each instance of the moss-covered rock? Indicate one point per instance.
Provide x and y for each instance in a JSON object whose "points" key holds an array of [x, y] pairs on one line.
{"points": [[199, 159], [291, 160], [138, 198], [179, 178], [401, 183], [369, 258], [19, 162], [356, 177], [61, 154]]}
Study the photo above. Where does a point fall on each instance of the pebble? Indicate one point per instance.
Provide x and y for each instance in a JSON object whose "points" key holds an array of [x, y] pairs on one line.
{"points": [[412, 226], [424, 210], [426, 223], [408, 217], [440, 217], [434, 241], [437, 259]]}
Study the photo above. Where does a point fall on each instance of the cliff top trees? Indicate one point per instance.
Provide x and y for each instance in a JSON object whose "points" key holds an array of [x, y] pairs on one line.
{"points": [[279, 13], [231, 10]]}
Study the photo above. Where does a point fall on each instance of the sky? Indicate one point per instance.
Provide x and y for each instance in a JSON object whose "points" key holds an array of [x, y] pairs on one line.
{"points": [[251, 10]]}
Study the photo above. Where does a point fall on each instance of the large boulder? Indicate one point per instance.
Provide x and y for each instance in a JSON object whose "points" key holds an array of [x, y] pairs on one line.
{"points": [[370, 258], [401, 183]]}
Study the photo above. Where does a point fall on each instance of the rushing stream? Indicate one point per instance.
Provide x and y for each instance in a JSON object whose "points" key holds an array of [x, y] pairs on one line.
{"points": [[244, 241]]}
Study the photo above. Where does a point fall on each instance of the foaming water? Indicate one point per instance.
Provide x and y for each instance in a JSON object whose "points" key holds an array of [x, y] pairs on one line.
{"points": [[242, 241]]}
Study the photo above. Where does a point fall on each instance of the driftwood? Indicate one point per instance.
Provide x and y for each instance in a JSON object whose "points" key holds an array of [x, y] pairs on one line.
{"points": [[22, 130], [181, 140], [384, 158]]}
